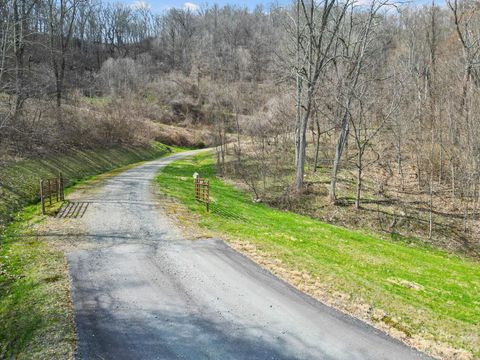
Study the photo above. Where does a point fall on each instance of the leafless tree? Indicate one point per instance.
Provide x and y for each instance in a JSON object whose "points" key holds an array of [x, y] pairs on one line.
{"points": [[317, 25], [356, 51], [61, 19]]}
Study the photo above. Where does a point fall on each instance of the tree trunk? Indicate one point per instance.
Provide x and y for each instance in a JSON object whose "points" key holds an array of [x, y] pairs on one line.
{"points": [[345, 120], [317, 146], [58, 93], [298, 94], [359, 180], [19, 48], [400, 166], [453, 178], [430, 217], [338, 154], [302, 144], [419, 173]]}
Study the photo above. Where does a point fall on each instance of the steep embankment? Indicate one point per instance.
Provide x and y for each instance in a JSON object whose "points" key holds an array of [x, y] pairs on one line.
{"points": [[19, 181]]}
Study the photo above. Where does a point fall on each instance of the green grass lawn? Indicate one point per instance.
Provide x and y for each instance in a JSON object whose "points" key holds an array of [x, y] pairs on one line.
{"points": [[423, 292], [35, 317]]}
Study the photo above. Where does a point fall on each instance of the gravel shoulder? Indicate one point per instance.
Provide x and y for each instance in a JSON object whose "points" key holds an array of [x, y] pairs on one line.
{"points": [[141, 290]]}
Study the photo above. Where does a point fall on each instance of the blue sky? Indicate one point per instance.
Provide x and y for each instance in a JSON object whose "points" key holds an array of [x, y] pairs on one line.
{"points": [[161, 5]]}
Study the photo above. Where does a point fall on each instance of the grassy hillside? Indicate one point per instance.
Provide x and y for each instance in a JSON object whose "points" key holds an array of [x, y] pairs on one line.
{"points": [[35, 317], [426, 296], [19, 181]]}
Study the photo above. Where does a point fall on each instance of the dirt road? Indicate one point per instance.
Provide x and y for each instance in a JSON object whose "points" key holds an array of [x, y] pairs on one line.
{"points": [[141, 291]]}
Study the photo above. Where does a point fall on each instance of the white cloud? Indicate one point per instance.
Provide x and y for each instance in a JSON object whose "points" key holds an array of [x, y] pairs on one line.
{"points": [[191, 6], [140, 4], [386, 5], [363, 2]]}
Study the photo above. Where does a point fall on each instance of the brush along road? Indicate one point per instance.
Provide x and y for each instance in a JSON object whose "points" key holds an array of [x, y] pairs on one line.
{"points": [[141, 291]]}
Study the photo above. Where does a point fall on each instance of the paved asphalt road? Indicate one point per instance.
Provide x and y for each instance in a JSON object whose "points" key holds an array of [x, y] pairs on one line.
{"points": [[141, 291]]}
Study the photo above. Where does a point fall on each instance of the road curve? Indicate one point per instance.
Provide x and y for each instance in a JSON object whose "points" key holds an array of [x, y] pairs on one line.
{"points": [[141, 291]]}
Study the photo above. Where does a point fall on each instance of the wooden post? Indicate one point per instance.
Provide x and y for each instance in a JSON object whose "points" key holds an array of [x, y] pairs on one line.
{"points": [[207, 195], [42, 197], [57, 190], [197, 188], [202, 191], [49, 192], [62, 195]]}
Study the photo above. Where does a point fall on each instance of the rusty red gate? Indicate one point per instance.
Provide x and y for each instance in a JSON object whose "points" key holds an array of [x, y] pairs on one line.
{"points": [[51, 189], [202, 191]]}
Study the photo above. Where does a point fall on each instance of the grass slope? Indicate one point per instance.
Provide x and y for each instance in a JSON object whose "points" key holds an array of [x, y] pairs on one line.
{"points": [[422, 292], [19, 181], [35, 317]]}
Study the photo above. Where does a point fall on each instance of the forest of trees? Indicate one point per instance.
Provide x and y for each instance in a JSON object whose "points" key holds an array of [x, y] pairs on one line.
{"points": [[387, 90]]}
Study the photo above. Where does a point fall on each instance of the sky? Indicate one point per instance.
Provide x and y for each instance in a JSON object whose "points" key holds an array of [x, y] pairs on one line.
{"points": [[162, 5], [159, 6]]}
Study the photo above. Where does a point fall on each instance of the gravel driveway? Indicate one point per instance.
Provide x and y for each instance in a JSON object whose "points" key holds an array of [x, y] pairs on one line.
{"points": [[141, 291]]}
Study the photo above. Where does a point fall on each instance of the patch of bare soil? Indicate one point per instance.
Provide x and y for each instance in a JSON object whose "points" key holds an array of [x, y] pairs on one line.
{"points": [[183, 219]]}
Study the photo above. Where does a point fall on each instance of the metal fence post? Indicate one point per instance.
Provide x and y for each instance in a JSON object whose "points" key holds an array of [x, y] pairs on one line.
{"points": [[53, 189], [207, 195], [62, 195], [57, 190], [42, 197], [202, 193], [49, 192]]}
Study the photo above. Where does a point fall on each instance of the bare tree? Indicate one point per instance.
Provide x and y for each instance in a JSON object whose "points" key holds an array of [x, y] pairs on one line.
{"points": [[357, 44], [317, 27], [61, 18], [370, 117]]}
